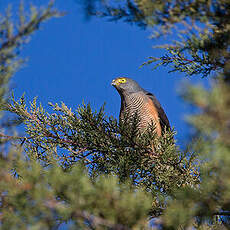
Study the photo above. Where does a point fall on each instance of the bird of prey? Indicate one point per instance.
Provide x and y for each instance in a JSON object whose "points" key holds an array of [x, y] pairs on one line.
{"points": [[135, 100]]}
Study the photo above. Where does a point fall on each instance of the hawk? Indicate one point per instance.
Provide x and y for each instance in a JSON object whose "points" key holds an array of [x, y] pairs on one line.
{"points": [[135, 100]]}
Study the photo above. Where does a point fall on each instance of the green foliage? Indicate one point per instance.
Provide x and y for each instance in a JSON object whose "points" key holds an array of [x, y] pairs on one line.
{"points": [[211, 200], [201, 29], [45, 198], [200, 45], [107, 148], [92, 172], [13, 36], [44, 195], [48, 186]]}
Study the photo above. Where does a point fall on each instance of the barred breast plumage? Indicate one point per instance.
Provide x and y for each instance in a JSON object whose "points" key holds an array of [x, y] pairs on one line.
{"points": [[140, 104]]}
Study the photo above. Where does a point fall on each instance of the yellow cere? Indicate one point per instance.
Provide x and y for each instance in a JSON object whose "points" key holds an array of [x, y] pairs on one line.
{"points": [[121, 80]]}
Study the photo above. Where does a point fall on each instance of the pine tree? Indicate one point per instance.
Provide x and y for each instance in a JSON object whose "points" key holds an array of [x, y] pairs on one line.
{"points": [[86, 169], [41, 187], [201, 48]]}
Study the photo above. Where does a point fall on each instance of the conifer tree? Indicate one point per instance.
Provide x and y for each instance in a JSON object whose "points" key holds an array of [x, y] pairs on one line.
{"points": [[85, 168], [201, 48], [41, 188]]}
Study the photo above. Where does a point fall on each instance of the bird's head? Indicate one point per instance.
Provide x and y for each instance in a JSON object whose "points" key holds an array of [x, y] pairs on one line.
{"points": [[126, 85]]}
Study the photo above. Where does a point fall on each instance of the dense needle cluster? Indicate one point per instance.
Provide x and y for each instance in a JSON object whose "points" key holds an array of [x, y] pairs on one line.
{"points": [[80, 167]]}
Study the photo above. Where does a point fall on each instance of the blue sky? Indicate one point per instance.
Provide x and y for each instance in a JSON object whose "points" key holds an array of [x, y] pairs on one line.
{"points": [[74, 60]]}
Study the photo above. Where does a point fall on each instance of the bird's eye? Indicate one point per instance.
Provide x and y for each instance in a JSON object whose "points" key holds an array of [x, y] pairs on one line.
{"points": [[122, 80]]}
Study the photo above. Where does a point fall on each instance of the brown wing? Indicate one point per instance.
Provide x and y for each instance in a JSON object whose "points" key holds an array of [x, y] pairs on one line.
{"points": [[163, 118], [150, 113]]}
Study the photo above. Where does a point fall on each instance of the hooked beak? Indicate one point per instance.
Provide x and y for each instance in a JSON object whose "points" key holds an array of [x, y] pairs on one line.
{"points": [[114, 82]]}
